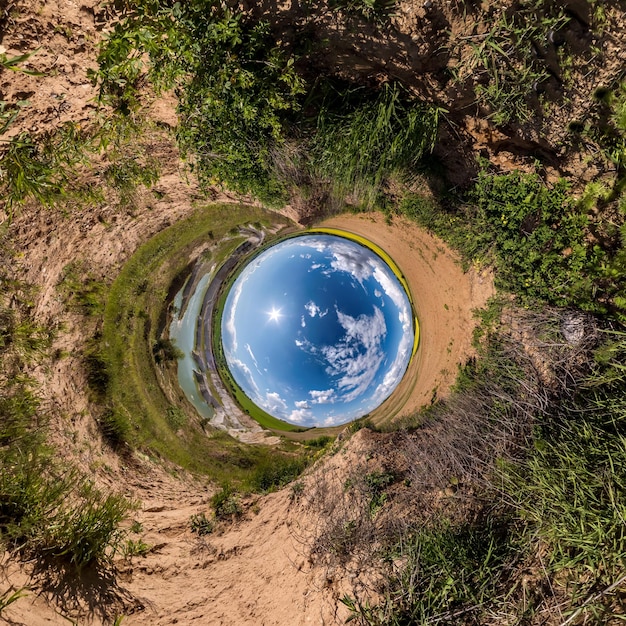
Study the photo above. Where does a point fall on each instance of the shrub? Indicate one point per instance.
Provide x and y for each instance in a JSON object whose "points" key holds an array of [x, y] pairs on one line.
{"points": [[276, 471], [237, 85], [201, 524], [534, 235], [226, 503]]}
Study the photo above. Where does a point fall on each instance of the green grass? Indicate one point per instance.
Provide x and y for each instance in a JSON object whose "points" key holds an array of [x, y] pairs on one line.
{"points": [[138, 409], [447, 574], [358, 146], [47, 507]]}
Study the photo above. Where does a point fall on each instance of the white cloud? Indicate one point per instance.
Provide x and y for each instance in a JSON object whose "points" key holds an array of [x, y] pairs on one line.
{"points": [[301, 404], [313, 309], [249, 351], [322, 397], [302, 322], [299, 416], [396, 294], [333, 420], [252, 390], [231, 328], [273, 403], [349, 257], [356, 358]]}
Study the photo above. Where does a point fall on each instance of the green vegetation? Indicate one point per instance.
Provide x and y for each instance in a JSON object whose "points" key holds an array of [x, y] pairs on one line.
{"points": [[374, 10], [455, 575], [39, 168], [251, 117], [47, 508], [81, 290], [357, 147], [532, 441], [237, 85], [201, 524], [131, 352], [276, 472], [536, 238], [226, 503], [505, 65], [544, 473], [58, 168]]}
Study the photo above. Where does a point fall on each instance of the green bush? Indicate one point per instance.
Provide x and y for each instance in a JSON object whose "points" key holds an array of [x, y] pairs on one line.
{"points": [[39, 167], [276, 471], [237, 86], [320, 442], [532, 233], [225, 503], [82, 291]]}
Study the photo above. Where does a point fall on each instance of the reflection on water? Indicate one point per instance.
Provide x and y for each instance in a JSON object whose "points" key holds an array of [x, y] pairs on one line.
{"points": [[183, 333]]}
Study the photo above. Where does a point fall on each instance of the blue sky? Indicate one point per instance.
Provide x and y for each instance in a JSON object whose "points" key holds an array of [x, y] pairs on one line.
{"points": [[317, 330]]}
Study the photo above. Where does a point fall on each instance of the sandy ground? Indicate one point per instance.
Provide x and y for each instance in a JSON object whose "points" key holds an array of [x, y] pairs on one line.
{"points": [[444, 297], [257, 571]]}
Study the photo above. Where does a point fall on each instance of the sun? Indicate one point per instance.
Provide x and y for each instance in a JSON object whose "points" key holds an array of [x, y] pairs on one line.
{"points": [[274, 315]]}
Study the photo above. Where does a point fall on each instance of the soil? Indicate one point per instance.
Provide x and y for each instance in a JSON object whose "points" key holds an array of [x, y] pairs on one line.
{"points": [[256, 570]]}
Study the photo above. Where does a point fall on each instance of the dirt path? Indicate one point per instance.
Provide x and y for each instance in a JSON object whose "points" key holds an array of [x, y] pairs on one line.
{"points": [[444, 297]]}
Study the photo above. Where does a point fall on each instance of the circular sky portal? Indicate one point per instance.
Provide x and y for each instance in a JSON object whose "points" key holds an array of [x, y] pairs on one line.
{"points": [[317, 330]]}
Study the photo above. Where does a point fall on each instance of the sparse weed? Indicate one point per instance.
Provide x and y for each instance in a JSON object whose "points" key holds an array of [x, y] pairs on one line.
{"points": [[226, 503], [114, 426], [82, 291], [297, 489], [134, 547], [9, 597], [176, 418], [501, 63], [201, 524], [374, 10]]}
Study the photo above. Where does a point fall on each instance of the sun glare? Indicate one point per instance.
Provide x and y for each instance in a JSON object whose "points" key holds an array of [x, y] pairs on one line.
{"points": [[274, 314]]}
